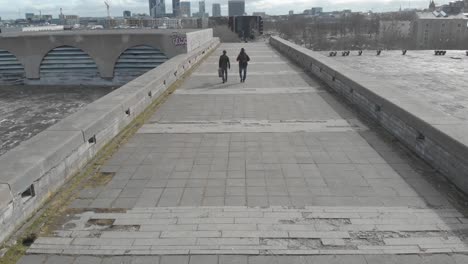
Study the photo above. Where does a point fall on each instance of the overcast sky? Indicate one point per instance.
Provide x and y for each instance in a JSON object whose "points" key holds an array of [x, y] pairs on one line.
{"points": [[16, 9]]}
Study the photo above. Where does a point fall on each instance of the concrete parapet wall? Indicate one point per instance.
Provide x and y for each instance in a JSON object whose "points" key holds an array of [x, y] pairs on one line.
{"points": [[31, 172], [197, 38], [438, 139]]}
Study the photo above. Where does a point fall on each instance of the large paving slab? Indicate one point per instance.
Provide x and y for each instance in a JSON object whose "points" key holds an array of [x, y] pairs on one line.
{"points": [[273, 170]]}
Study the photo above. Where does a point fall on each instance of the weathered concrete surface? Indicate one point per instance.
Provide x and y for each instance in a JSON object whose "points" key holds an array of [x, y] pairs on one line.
{"points": [[104, 46], [419, 98], [276, 230], [27, 110], [202, 191], [43, 163], [436, 81]]}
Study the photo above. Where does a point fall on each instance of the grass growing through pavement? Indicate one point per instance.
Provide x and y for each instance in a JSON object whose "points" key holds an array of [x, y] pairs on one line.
{"points": [[42, 222]]}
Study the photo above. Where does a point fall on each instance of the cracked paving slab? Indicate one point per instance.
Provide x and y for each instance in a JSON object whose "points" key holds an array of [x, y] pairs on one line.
{"points": [[249, 231]]}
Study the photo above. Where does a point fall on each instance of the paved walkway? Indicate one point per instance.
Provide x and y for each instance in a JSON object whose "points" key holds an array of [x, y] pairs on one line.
{"points": [[273, 170]]}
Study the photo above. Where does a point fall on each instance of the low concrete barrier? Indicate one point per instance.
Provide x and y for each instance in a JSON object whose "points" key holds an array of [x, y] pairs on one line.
{"points": [[31, 172], [438, 139]]}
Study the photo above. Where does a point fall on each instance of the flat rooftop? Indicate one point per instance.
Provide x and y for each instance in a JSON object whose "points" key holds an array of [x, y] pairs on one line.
{"points": [[438, 83]]}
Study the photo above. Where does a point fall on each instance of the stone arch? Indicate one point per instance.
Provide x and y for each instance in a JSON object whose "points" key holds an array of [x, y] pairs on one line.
{"points": [[68, 64], [11, 70], [136, 61]]}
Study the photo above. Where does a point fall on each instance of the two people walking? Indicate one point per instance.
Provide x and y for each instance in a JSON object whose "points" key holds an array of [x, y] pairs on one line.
{"points": [[224, 65]]}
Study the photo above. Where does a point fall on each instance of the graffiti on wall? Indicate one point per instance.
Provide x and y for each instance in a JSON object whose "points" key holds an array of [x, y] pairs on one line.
{"points": [[179, 40]]}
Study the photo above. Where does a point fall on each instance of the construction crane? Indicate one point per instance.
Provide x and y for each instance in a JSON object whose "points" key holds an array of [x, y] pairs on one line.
{"points": [[107, 6]]}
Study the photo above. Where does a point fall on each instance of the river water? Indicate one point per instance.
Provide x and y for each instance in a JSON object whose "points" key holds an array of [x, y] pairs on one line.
{"points": [[27, 110]]}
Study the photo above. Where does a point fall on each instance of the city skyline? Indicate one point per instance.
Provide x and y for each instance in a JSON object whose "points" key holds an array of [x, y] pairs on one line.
{"points": [[86, 8]]}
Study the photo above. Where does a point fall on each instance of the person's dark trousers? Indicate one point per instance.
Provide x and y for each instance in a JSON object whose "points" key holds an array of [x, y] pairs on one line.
{"points": [[243, 73], [225, 74]]}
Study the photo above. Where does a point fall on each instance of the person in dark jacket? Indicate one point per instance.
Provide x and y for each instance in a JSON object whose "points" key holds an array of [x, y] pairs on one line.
{"points": [[243, 60], [224, 64]]}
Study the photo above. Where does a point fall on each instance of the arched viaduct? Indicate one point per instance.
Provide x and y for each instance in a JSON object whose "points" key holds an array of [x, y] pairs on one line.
{"points": [[104, 47]]}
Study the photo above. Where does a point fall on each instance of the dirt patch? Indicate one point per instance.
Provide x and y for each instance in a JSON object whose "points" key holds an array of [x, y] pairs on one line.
{"points": [[330, 221], [374, 238], [100, 179], [29, 239], [99, 222], [123, 228]]}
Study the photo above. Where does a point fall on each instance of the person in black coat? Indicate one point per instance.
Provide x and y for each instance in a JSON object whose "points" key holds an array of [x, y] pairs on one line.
{"points": [[224, 64], [243, 60]]}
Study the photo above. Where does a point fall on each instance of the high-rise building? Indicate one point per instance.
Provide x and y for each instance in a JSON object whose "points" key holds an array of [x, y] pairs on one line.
{"points": [[201, 10], [236, 7], [201, 7], [157, 8], [291, 12], [176, 8], [185, 9], [127, 13], [216, 10]]}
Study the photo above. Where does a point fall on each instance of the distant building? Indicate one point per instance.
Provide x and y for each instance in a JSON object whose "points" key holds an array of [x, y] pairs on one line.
{"points": [[236, 7], [157, 8], [176, 8], [46, 17], [291, 12], [201, 7], [185, 9], [29, 16], [127, 13], [454, 7], [216, 10], [201, 10], [261, 14], [173, 23], [395, 28], [436, 30], [432, 6], [315, 11], [71, 20]]}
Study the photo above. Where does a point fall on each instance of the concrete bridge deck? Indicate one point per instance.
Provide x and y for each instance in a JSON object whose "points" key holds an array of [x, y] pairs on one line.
{"points": [[273, 170]]}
